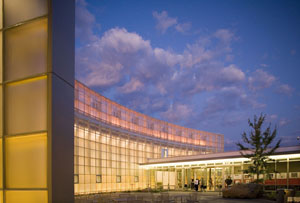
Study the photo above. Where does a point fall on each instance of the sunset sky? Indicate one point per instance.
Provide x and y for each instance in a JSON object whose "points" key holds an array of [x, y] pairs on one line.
{"points": [[208, 65]]}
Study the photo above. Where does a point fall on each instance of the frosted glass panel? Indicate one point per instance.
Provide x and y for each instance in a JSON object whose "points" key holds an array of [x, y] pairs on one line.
{"points": [[17, 11], [26, 106], [1, 15], [1, 57], [1, 196], [26, 161], [26, 50], [1, 166], [1, 120], [26, 196]]}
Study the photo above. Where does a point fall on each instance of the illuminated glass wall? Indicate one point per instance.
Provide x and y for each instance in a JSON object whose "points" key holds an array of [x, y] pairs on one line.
{"points": [[111, 141], [28, 38], [24, 39], [283, 172], [107, 159], [96, 106]]}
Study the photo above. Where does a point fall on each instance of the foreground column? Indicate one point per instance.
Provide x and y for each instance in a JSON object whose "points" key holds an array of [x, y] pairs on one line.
{"points": [[36, 98]]}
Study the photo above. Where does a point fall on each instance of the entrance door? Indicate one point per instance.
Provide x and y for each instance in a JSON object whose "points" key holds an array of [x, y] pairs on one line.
{"points": [[165, 179], [201, 175], [218, 178], [210, 178], [179, 179]]}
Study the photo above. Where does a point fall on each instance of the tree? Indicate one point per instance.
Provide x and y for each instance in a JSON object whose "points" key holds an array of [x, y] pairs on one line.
{"points": [[258, 147]]}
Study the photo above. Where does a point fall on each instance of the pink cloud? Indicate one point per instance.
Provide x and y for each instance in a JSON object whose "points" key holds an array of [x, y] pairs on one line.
{"points": [[164, 21], [260, 79], [285, 89]]}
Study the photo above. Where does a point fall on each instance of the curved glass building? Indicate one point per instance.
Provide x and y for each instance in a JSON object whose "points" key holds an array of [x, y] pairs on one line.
{"points": [[50, 150], [111, 141]]}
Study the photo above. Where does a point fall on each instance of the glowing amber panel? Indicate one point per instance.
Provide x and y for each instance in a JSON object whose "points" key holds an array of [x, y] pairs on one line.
{"points": [[26, 196], [1, 56], [26, 50], [26, 106], [1, 15], [17, 11], [26, 161], [1, 196], [1, 120], [1, 167]]}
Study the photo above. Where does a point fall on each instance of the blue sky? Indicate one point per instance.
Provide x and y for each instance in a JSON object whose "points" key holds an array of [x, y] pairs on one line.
{"points": [[208, 65]]}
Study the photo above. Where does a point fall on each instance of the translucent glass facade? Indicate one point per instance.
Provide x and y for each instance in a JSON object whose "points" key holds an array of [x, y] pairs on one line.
{"points": [[112, 140], [23, 100], [31, 36], [283, 172]]}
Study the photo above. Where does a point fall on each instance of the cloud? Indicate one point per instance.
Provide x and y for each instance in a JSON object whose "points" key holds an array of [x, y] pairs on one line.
{"points": [[283, 122], [196, 53], [232, 74], [85, 22], [285, 89], [260, 79], [224, 35], [163, 21], [167, 57], [125, 65], [177, 112], [183, 27], [107, 60], [273, 117], [133, 85], [231, 100]]}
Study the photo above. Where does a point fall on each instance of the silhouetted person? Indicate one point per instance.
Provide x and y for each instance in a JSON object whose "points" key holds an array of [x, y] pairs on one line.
{"points": [[192, 184], [196, 184], [202, 184]]}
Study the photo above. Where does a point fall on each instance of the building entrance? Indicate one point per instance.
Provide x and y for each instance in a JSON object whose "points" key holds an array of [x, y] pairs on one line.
{"points": [[210, 179], [166, 179]]}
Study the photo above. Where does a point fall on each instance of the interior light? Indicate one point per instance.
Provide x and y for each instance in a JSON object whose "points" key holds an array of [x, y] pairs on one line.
{"points": [[147, 166]]}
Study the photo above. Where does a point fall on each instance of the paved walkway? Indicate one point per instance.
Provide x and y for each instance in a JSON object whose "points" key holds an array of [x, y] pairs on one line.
{"points": [[166, 197]]}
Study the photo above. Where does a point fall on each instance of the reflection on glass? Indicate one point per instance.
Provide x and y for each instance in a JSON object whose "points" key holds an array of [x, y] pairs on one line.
{"points": [[17, 11], [26, 161], [26, 106], [26, 50]]}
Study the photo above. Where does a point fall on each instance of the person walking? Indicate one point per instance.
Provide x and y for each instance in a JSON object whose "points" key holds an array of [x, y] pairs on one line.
{"points": [[202, 184], [192, 184], [196, 184]]}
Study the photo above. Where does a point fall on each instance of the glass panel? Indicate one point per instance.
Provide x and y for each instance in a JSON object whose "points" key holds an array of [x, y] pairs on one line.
{"points": [[26, 161], [1, 57], [17, 11], [26, 106], [1, 168], [281, 167], [26, 196], [1, 196], [1, 120], [295, 166], [1, 15], [26, 50]]}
